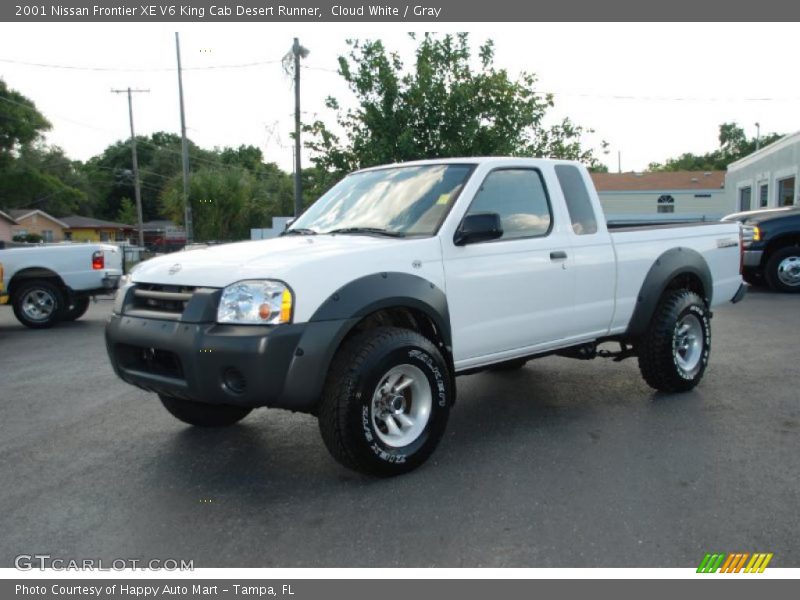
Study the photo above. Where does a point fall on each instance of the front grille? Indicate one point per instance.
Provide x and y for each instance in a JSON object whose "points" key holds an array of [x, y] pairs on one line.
{"points": [[149, 360], [167, 301]]}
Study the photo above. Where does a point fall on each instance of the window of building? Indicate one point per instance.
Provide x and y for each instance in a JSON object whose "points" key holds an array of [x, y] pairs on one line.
{"points": [[68, 236], [786, 192], [519, 197], [579, 204], [745, 196], [763, 195], [47, 235], [104, 236], [666, 204]]}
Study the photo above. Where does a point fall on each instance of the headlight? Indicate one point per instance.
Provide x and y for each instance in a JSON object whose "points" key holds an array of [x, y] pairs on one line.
{"points": [[255, 302]]}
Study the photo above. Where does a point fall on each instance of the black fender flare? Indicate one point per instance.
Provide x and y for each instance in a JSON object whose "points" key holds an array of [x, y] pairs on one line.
{"points": [[372, 293], [341, 311], [671, 264]]}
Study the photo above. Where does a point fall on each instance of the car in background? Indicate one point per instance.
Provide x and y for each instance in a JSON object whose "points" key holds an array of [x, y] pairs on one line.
{"points": [[771, 247], [48, 283]]}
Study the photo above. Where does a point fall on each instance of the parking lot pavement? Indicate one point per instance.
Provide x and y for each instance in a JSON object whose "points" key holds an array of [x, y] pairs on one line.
{"points": [[564, 463]]}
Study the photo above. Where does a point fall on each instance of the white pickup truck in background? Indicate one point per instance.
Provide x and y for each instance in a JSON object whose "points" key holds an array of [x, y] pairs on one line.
{"points": [[402, 277], [49, 283]]}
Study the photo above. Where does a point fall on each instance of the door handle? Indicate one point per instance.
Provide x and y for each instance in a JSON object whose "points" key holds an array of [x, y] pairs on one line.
{"points": [[558, 255]]}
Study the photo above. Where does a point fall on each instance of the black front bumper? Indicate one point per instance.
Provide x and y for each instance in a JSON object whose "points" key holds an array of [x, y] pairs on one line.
{"points": [[282, 366]]}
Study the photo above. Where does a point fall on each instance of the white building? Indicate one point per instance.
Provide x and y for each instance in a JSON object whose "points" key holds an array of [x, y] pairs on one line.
{"points": [[767, 178], [662, 195]]}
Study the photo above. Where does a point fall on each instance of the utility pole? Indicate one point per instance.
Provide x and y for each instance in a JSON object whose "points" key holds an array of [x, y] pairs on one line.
{"points": [[297, 52], [758, 136], [135, 159], [187, 207]]}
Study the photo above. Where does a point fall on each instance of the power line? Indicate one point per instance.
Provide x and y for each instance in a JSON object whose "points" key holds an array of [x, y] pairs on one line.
{"points": [[594, 96], [246, 65]]}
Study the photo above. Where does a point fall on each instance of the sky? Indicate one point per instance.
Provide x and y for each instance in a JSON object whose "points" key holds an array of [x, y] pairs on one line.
{"points": [[652, 91]]}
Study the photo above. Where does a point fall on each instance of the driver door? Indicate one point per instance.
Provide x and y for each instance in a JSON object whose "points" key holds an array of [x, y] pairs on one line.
{"points": [[513, 294]]}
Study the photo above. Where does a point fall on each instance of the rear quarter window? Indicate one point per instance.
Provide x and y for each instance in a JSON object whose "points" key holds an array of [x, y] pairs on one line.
{"points": [[579, 204]]}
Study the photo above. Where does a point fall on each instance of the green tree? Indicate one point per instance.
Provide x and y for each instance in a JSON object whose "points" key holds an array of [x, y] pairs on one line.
{"points": [[733, 145], [226, 203], [110, 174], [21, 123], [127, 212], [441, 107], [33, 174]]}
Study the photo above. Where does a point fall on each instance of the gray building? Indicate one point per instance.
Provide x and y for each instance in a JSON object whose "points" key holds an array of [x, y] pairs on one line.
{"points": [[766, 178]]}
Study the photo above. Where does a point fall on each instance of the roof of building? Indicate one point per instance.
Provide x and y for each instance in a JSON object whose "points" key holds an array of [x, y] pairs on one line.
{"points": [[787, 140], [79, 222], [8, 217], [659, 181], [21, 213]]}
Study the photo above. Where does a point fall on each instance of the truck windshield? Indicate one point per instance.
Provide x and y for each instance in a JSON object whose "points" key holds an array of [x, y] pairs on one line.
{"points": [[398, 201]]}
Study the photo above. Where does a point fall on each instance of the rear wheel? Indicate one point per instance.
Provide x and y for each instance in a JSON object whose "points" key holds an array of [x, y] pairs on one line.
{"points": [[673, 353], [386, 402], [37, 303], [783, 270], [201, 414], [76, 310]]}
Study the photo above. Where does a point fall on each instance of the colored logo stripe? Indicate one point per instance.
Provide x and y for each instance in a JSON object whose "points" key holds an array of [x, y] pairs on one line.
{"points": [[734, 562]]}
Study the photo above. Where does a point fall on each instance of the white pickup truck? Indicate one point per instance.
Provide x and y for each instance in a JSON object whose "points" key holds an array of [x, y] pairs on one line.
{"points": [[402, 277], [49, 283]]}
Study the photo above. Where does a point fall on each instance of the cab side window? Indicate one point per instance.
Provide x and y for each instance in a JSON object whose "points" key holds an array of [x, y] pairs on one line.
{"points": [[520, 198]]}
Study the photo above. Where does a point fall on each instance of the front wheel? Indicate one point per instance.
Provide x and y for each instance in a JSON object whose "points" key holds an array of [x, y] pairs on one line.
{"points": [[783, 270], [386, 402], [203, 415], [673, 353]]}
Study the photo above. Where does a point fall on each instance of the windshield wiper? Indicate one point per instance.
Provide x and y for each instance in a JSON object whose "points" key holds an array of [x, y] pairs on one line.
{"points": [[369, 230], [299, 231]]}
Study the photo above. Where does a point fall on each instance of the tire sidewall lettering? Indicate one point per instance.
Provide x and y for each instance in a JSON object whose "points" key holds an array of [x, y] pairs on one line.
{"points": [[702, 314], [436, 379]]}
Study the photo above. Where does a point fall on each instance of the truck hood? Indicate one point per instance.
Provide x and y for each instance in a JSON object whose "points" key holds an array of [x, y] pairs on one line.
{"points": [[219, 266], [759, 216]]}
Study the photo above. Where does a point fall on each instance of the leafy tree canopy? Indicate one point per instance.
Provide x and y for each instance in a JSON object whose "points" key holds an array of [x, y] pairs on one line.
{"points": [[20, 122], [733, 145], [443, 106]]}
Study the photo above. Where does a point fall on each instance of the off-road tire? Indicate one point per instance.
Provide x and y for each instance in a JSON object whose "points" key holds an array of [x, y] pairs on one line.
{"points": [[76, 310], [347, 419], [659, 358], [773, 264], [53, 296], [202, 414]]}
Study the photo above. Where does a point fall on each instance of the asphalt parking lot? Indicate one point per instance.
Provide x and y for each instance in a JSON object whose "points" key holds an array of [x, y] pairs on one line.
{"points": [[562, 464]]}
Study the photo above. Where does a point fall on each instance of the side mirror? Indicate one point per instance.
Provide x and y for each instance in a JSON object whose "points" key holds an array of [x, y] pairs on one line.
{"points": [[289, 223], [478, 227]]}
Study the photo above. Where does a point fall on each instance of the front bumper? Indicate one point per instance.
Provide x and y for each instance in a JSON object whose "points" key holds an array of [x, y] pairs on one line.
{"points": [[282, 366]]}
